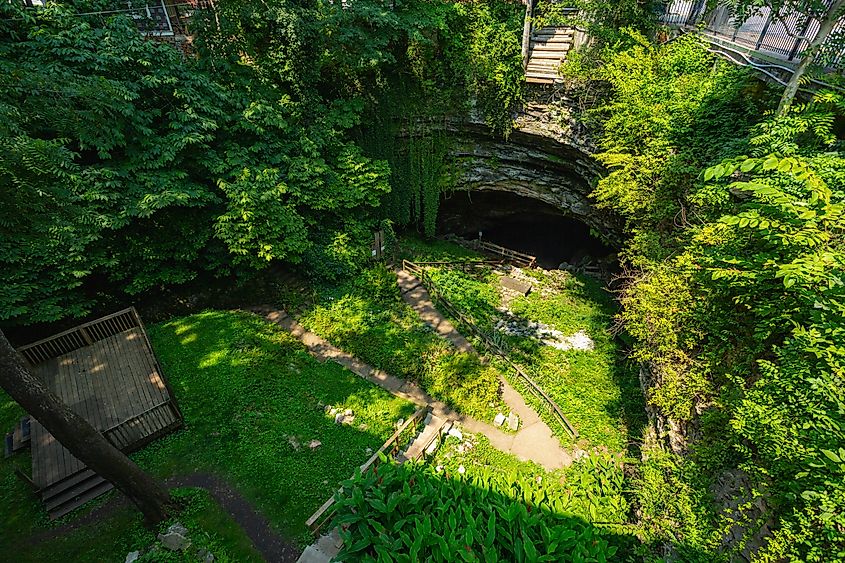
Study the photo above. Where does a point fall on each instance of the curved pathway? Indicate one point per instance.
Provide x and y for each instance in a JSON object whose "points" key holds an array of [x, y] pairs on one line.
{"points": [[534, 441], [272, 547]]}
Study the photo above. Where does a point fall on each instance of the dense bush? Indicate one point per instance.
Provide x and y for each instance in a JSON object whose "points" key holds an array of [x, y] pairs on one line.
{"points": [[400, 512], [735, 267], [135, 167]]}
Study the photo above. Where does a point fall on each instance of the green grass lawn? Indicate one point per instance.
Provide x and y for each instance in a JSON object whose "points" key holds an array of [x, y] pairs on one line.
{"points": [[367, 318], [597, 389], [253, 399]]}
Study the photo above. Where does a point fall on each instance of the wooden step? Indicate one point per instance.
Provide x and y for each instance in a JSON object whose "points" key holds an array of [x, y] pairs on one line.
{"points": [[72, 491], [534, 69], [66, 483], [558, 37], [542, 74], [536, 80], [548, 54], [73, 504]]}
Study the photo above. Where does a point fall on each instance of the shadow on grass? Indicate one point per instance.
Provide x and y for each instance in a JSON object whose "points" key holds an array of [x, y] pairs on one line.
{"points": [[255, 403]]}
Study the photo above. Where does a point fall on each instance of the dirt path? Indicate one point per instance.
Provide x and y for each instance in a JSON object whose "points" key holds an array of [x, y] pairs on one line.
{"points": [[272, 547], [533, 442]]}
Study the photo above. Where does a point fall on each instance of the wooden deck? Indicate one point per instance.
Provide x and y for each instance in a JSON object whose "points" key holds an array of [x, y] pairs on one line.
{"points": [[107, 373]]}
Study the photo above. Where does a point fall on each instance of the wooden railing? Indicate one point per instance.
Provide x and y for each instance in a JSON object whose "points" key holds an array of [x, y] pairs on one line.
{"points": [[507, 254], [80, 336], [490, 342], [390, 448], [144, 427]]}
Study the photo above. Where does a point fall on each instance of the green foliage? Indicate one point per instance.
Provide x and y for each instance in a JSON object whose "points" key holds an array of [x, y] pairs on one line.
{"points": [[367, 318], [401, 511], [596, 389], [253, 399], [672, 110], [734, 300], [591, 488]]}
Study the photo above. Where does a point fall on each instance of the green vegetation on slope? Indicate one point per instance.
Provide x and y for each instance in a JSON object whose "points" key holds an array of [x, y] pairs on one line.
{"points": [[735, 266], [402, 511], [253, 400], [368, 319], [596, 389]]}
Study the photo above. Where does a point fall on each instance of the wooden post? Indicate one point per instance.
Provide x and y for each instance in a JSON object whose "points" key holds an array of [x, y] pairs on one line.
{"points": [[526, 32]]}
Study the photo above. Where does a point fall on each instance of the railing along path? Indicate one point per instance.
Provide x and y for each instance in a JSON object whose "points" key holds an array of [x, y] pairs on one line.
{"points": [[419, 271]]}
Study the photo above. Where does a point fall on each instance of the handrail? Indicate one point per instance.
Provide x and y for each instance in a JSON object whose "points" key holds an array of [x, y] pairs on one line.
{"points": [[488, 340], [79, 336], [74, 329], [323, 514]]}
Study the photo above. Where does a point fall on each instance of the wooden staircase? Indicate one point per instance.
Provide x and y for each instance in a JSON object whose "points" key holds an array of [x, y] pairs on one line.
{"points": [[72, 492], [549, 46]]}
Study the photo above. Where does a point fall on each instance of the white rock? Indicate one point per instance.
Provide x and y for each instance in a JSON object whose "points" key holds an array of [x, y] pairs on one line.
{"points": [[177, 528], [456, 433], [439, 468], [513, 422], [174, 541], [432, 447], [132, 556], [339, 418], [499, 420], [348, 412], [462, 469], [314, 444], [400, 422]]}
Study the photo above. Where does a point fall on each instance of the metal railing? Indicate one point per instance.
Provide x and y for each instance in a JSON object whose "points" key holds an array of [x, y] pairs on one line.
{"points": [[782, 35]]}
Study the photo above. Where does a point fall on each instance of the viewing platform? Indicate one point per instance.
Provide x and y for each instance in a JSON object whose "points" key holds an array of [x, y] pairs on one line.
{"points": [[106, 372]]}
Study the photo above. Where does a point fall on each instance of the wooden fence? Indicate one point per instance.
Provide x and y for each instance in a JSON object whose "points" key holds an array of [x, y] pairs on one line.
{"points": [[489, 341], [521, 259], [390, 448]]}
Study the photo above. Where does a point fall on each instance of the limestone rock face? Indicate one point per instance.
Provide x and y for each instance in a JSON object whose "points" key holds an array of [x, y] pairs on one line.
{"points": [[531, 165]]}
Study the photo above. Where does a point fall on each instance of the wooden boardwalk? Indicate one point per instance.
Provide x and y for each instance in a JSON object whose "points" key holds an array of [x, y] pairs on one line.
{"points": [[106, 372]]}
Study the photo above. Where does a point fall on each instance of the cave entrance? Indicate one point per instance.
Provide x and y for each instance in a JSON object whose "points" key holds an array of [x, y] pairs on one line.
{"points": [[523, 224]]}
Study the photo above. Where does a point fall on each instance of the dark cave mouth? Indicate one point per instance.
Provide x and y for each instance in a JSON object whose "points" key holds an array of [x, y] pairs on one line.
{"points": [[523, 224]]}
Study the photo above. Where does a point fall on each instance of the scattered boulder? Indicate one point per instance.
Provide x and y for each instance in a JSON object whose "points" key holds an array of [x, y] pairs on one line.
{"points": [[400, 422], [294, 443], [339, 418], [513, 422], [499, 419], [456, 433], [205, 556], [314, 444], [174, 541], [132, 556], [348, 412], [177, 528]]}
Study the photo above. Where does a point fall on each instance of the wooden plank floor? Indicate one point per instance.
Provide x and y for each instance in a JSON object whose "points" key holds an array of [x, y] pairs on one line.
{"points": [[107, 383]]}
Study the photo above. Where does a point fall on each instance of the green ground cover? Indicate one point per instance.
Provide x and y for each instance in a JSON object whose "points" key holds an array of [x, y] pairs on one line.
{"points": [[596, 389], [367, 318], [475, 503], [253, 399]]}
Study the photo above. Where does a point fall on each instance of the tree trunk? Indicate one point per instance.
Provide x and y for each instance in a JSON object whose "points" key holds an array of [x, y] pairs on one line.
{"points": [[825, 27], [80, 438]]}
